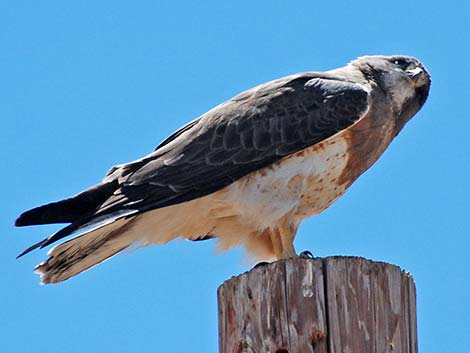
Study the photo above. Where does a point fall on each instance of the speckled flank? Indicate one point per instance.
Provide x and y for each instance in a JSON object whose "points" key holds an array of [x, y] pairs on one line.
{"points": [[322, 187], [260, 209], [300, 185], [267, 204]]}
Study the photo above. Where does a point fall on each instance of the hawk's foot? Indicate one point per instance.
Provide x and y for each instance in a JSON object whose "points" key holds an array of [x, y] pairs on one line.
{"points": [[261, 264], [306, 255]]}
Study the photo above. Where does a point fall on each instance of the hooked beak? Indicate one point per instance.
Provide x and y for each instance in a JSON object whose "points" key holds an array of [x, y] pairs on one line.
{"points": [[417, 76]]}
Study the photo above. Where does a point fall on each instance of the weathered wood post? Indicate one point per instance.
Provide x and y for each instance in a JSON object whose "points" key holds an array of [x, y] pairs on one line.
{"points": [[322, 305]]}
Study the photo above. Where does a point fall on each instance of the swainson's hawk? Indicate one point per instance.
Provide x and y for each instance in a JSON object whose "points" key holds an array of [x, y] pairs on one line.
{"points": [[246, 172]]}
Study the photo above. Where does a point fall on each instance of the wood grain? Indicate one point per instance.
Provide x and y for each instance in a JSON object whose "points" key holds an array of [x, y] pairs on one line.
{"points": [[330, 305]]}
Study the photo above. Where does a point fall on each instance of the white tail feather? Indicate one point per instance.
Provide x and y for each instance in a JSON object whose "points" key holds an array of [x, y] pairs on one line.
{"points": [[85, 251]]}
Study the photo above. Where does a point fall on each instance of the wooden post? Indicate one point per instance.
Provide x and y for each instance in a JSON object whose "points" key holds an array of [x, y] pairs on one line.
{"points": [[322, 305]]}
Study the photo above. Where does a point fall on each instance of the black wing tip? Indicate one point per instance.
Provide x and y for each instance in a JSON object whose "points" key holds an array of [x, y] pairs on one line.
{"points": [[23, 220], [19, 222], [55, 212], [39, 245], [62, 233], [34, 216], [68, 210]]}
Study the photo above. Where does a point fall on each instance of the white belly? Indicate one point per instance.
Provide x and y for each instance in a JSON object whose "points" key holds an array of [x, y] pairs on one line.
{"points": [[298, 186], [247, 211]]}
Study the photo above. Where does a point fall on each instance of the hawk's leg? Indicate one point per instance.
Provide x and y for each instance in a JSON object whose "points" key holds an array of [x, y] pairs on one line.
{"points": [[282, 240], [276, 243]]}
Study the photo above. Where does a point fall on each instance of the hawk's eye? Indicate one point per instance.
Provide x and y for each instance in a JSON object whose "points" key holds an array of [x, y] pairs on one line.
{"points": [[401, 63]]}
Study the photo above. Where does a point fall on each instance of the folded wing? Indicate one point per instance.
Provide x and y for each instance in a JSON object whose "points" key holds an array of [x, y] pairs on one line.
{"points": [[244, 134]]}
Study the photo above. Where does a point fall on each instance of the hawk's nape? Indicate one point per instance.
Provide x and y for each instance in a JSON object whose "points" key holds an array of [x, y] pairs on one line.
{"points": [[305, 137]]}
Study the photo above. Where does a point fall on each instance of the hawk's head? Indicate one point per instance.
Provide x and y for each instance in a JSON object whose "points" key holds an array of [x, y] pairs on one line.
{"points": [[403, 78]]}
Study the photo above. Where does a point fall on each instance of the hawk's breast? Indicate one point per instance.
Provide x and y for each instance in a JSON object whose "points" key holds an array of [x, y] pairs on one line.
{"points": [[299, 185]]}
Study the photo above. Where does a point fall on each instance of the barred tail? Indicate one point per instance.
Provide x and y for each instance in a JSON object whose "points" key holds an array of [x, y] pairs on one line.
{"points": [[85, 251]]}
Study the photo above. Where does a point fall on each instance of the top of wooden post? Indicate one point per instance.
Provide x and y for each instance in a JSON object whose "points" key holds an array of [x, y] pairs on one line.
{"points": [[322, 305]]}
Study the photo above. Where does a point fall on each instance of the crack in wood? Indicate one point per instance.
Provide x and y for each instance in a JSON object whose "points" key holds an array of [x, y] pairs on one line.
{"points": [[330, 305]]}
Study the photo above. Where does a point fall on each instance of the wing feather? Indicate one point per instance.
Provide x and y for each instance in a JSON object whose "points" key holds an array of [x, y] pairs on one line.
{"points": [[246, 133], [242, 135]]}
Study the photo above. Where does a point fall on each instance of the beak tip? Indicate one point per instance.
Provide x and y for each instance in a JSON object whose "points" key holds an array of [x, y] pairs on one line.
{"points": [[417, 75]]}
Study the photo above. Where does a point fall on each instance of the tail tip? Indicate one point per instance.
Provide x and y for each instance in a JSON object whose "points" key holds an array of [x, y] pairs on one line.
{"points": [[39, 270]]}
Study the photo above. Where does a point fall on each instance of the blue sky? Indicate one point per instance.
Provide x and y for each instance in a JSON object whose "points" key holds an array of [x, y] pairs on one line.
{"points": [[86, 85]]}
